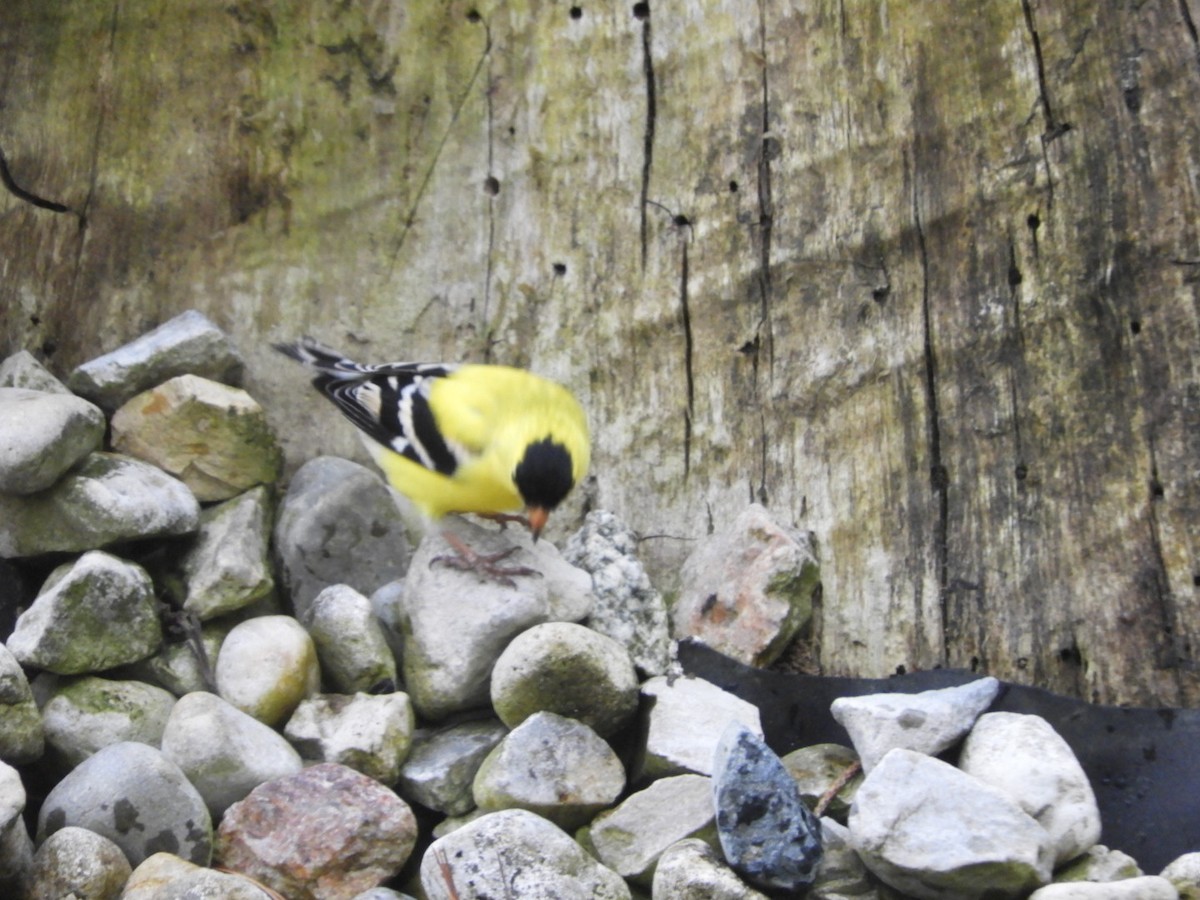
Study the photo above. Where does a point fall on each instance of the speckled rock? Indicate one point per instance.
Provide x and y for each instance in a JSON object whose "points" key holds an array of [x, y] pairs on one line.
{"points": [[1147, 887], [325, 832], [564, 668], [556, 767], [42, 436], [515, 853], [370, 733], [692, 870], [188, 343], [92, 614], [212, 437], [133, 795], [16, 849], [767, 833], [267, 666], [627, 609], [107, 499], [223, 751], [165, 876], [75, 862]]}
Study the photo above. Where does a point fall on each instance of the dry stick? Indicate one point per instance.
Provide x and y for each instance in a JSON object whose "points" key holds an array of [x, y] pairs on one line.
{"points": [[840, 782], [447, 875]]}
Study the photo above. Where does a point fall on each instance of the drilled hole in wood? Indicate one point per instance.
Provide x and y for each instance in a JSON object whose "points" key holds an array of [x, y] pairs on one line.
{"points": [[1034, 222], [474, 16], [1021, 471], [1135, 326], [681, 221], [575, 12], [734, 187], [901, 669], [49, 348], [880, 294], [641, 10], [1157, 491], [560, 269], [491, 185], [1196, 580]]}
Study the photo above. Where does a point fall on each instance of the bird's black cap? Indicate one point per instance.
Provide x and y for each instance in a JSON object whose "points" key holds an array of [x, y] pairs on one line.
{"points": [[544, 475]]}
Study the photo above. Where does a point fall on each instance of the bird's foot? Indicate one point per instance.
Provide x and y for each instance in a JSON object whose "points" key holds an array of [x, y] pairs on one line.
{"points": [[504, 518], [488, 565]]}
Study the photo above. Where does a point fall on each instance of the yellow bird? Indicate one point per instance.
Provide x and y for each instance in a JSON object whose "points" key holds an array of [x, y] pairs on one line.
{"points": [[484, 439]]}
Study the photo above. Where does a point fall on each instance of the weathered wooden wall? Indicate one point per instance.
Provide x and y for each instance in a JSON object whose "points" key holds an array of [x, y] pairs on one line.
{"points": [[921, 278]]}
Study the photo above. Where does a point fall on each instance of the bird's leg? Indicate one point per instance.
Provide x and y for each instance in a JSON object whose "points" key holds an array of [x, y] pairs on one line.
{"points": [[467, 560], [504, 518]]}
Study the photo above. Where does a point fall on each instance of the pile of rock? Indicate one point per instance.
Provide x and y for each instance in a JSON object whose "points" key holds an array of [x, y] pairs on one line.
{"points": [[233, 694]]}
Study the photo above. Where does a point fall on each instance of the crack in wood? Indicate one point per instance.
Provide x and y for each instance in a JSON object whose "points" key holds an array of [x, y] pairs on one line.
{"points": [[642, 11], [688, 348], [1190, 24]]}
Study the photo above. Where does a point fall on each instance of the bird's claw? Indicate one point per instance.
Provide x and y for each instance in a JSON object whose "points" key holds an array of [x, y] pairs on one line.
{"points": [[464, 559]]}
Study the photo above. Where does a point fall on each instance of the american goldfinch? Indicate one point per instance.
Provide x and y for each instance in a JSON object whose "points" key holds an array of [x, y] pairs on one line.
{"points": [[482, 439]]}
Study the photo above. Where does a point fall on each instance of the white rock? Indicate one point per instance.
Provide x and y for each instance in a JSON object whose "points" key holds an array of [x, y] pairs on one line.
{"points": [[370, 733], [567, 669], [165, 876], [692, 870], [518, 854], [1148, 887], [22, 735], [841, 874], [91, 615], [351, 645], [935, 833], [556, 767], [267, 665], [223, 751], [82, 715], [1184, 873], [1027, 759], [16, 848], [927, 722], [457, 623], [685, 722], [75, 862], [22, 370], [42, 436], [631, 837]]}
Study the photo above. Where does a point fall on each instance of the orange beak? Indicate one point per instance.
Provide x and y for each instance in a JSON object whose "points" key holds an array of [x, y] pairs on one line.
{"points": [[537, 516]]}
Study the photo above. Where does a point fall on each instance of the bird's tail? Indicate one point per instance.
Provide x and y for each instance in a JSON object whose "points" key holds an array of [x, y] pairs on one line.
{"points": [[321, 358]]}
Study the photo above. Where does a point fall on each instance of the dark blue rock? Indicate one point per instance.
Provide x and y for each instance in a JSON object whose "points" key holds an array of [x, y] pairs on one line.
{"points": [[767, 833]]}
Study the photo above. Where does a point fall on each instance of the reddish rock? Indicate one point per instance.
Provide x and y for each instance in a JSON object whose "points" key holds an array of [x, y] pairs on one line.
{"points": [[326, 833]]}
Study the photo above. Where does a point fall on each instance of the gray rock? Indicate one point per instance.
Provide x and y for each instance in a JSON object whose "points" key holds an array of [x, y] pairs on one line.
{"points": [[227, 565], [212, 437], [933, 832], [441, 765], [456, 624], [381, 893], [1100, 863], [351, 646], [327, 831], [188, 343], [224, 752], [767, 833], [22, 736], [165, 876], [42, 436], [91, 615], [75, 862], [684, 723], [691, 870], [179, 669], [108, 499], [556, 767], [85, 714], [749, 591], [1148, 887], [338, 524], [16, 849], [22, 370], [133, 795], [841, 875], [627, 609], [267, 665], [515, 853], [370, 733], [927, 722], [567, 669], [631, 837], [388, 605], [1025, 757]]}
